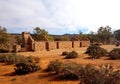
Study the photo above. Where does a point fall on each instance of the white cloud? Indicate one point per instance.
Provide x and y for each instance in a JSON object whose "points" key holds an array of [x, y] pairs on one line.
{"points": [[59, 16]]}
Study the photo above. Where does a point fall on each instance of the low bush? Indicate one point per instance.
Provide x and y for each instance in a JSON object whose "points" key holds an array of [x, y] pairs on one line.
{"points": [[14, 58], [102, 75], [3, 51], [98, 44], [115, 53], [117, 44], [87, 74], [64, 53], [23, 64], [71, 55], [95, 51], [25, 68], [54, 66], [64, 70], [69, 71]]}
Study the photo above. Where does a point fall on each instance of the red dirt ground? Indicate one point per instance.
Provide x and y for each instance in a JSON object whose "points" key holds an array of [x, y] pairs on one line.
{"points": [[41, 77]]}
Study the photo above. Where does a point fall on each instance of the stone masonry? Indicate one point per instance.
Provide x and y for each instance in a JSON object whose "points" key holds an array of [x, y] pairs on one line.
{"points": [[29, 44]]}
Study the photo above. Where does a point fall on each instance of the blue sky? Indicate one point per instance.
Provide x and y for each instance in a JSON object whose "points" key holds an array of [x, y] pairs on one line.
{"points": [[59, 16]]}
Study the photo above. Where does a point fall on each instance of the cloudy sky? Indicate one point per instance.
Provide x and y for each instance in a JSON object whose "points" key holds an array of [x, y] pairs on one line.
{"points": [[59, 16]]}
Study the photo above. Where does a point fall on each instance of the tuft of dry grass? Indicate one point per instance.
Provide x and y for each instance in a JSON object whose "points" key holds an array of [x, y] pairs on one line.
{"points": [[47, 56]]}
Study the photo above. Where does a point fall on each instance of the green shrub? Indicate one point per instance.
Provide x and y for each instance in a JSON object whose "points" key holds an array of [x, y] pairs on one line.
{"points": [[3, 51], [69, 71], [115, 53], [64, 53], [72, 54], [95, 51], [14, 58], [54, 66], [117, 44], [25, 68], [87, 74], [102, 75], [98, 44]]}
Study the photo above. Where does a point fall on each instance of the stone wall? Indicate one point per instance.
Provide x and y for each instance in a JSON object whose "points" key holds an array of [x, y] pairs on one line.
{"points": [[76, 44], [64, 45], [27, 41], [29, 44], [51, 45], [16, 48], [39, 46], [85, 43]]}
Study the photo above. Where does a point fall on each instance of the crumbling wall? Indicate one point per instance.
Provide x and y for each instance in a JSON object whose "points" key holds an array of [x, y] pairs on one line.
{"points": [[16, 48], [76, 44], [25, 37], [51, 45], [30, 44], [64, 45], [85, 43], [27, 41], [39, 46]]}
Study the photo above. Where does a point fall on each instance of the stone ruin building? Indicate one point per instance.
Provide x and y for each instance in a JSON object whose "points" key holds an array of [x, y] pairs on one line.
{"points": [[29, 44]]}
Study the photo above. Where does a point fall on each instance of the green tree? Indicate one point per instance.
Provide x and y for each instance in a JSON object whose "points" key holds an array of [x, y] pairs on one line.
{"points": [[93, 37], [104, 34], [65, 38], [39, 33], [117, 34], [18, 39], [4, 36], [80, 35]]}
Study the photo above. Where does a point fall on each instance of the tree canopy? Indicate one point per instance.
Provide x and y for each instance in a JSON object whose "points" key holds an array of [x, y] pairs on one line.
{"points": [[117, 34], [104, 34], [40, 33], [4, 36], [80, 35]]}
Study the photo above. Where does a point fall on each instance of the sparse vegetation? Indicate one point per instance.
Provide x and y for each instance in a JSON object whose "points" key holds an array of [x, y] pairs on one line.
{"points": [[54, 66], [103, 35], [18, 39], [64, 38], [102, 75], [4, 40], [95, 51], [115, 53], [14, 59], [25, 68], [23, 64], [117, 44], [88, 74], [4, 51], [64, 53], [41, 33], [69, 71], [117, 34], [4, 36], [71, 55]]}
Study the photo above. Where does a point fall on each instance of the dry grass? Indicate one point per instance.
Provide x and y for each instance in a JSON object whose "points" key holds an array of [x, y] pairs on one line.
{"points": [[42, 77]]}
